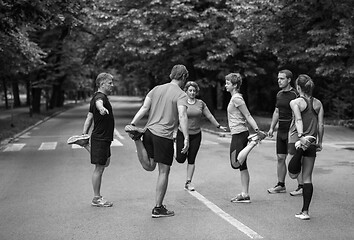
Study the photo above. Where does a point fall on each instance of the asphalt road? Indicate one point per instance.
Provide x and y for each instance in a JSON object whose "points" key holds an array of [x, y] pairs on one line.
{"points": [[45, 190]]}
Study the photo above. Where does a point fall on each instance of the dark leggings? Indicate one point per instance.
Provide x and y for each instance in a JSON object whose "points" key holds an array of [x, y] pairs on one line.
{"points": [[194, 144]]}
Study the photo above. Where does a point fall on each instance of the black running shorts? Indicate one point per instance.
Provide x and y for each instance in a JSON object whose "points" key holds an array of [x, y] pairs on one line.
{"points": [[100, 151], [238, 142], [194, 144], [158, 148], [310, 151]]}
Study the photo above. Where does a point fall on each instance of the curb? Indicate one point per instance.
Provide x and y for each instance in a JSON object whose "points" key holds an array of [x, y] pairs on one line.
{"points": [[6, 141]]}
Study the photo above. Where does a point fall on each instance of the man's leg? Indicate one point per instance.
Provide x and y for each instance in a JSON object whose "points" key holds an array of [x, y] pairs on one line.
{"points": [[97, 179], [162, 183], [148, 163]]}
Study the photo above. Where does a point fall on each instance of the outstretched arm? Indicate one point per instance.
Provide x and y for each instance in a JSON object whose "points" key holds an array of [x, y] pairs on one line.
{"points": [[142, 111], [211, 118]]}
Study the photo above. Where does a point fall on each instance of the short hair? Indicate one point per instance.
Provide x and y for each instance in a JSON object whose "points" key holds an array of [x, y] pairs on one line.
{"points": [[305, 83], [178, 72], [192, 84], [103, 77], [235, 79], [287, 73]]}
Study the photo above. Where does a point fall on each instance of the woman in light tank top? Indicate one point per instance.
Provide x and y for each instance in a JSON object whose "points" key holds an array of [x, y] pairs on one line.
{"points": [[307, 124], [241, 143]]}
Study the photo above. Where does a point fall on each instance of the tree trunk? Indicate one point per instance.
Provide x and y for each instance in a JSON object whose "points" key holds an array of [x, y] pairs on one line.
{"points": [[15, 93], [5, 94], [36, 100]]}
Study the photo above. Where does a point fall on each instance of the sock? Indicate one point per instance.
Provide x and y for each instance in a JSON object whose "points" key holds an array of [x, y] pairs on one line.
{"points": [[294, 166], [307, 196]]}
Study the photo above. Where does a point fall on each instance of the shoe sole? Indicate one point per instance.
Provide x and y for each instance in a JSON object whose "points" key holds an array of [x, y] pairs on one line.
{"points": [[271, 192], [295, 194], [160, 216], [243, 201], [100, 205], [79, 140], [191, 190], [301, 218]]}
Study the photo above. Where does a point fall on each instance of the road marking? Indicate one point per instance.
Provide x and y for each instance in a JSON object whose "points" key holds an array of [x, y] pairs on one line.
{"points": [[116, 143], [48, 146], [207, 142], [14, 147], [234, 222], [118, 134]]}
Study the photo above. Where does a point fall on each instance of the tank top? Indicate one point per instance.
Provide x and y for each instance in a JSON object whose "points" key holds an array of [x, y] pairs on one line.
{"points": [[309, 120]]}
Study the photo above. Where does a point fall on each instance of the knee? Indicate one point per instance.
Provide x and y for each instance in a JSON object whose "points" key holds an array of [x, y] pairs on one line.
{"points": [[293, 175]]}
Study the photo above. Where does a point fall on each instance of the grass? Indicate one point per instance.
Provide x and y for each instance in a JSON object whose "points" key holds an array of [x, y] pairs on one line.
{"points": [[21, 120]]}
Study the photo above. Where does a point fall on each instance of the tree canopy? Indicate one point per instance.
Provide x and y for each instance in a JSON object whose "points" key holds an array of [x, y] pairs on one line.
{"points": [[60, 46]]}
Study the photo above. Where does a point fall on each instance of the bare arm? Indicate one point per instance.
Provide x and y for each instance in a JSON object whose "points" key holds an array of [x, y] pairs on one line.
{"points": [[244, 110], [183, 122], [211, 118], [100, 107], [275, 119], [88, 123], [142, 111], [320, 127]]}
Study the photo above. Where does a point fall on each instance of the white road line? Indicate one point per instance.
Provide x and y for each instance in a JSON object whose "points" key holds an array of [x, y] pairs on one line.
{"points": [[118, 134], [116, 143], [14, 147], [207, 142], [48, 146], [240, 226]]}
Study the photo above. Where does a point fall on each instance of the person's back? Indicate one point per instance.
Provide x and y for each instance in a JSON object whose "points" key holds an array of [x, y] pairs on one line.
{"points": [[163, 117]]}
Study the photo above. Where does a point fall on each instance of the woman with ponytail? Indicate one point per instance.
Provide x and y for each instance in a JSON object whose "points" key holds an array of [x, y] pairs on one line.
{"points": [[307, 124]]}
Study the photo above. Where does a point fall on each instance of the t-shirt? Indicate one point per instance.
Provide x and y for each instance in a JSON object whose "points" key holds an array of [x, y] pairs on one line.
{"points": [[237, 122], [283, 104], [103, 124], [195, 113], [163, 118]]}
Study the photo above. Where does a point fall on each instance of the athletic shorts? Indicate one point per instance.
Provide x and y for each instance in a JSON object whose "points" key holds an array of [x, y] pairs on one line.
{"points": [[310, 152], [100, 151], [282, 142], [194, 144], [158, 148], [238, 142]]}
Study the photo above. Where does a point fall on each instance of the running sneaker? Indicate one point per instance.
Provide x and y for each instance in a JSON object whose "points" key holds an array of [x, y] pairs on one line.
{"points": [[81, 140], [241, 199], [302, 216], [277, 189], [135, 133], [189, 186], [161, 211], [101, 202], [257, 137], [296, 192]]}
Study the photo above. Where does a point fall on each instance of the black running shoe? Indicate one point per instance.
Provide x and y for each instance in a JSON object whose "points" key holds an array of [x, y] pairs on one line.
{"points": [[135, 133], [161, 211]]}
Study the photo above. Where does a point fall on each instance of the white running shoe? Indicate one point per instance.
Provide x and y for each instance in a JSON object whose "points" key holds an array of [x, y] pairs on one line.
{"points": [[81, 140]]}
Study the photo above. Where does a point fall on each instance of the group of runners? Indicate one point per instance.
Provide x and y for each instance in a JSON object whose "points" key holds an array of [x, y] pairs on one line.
{"points": [[300, 133]]}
